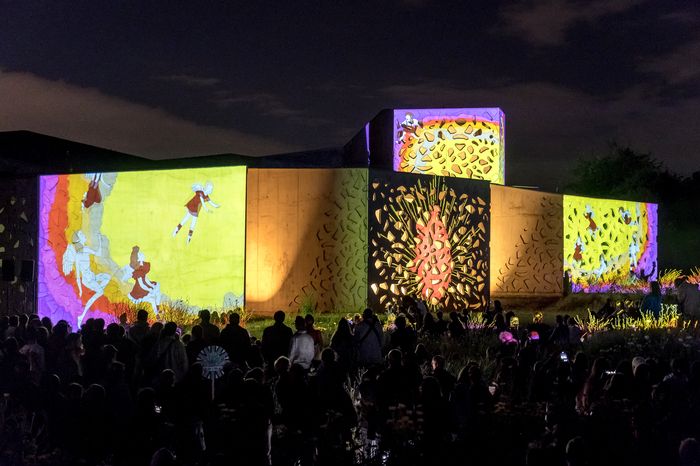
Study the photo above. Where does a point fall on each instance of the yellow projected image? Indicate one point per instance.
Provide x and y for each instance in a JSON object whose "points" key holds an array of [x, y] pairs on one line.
{"points": [[149, 239], [608, 242], [145, 209]]}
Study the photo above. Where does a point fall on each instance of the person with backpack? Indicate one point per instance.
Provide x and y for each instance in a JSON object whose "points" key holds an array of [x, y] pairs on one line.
{"points": [[368, 340]]}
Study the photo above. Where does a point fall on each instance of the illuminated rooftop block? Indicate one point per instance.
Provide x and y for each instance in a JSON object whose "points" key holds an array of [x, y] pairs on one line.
{"points": [[459, 142]]}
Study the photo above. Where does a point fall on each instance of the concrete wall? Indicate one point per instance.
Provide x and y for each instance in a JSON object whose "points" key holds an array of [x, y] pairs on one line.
{"points": [[306, 240], [18, 232], [526, 242]]}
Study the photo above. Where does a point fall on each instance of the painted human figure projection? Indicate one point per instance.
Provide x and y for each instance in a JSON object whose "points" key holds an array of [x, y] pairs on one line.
{"points": [[199, 201], [634, 251], [408, 127], [93, 195], [578, 249], [592, 227], [625, 216], [144, 290], [77, 257], [602, 268]]}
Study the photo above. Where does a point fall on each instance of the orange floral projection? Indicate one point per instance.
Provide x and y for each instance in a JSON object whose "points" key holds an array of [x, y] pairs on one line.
{"points": [[429, 240]]}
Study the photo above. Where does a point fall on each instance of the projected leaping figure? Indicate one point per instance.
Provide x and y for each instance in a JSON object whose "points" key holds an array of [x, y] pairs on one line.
{"points": [[199, 201], [144, 290], [592, 227], [634, 251], [93, 195], [77, 256], [578, 249], [408, 127], [625, 216]]}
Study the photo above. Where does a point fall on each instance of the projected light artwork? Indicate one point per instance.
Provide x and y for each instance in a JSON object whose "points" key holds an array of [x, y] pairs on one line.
{"points": [[608, 242], [428, 240], [148, 239], [462, 142]]}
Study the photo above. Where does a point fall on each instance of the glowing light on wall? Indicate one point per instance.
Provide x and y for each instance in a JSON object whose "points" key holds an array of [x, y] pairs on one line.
{"points": [[461, 142], [526, 242], [609, 242], [140, 238], [306, 240]]}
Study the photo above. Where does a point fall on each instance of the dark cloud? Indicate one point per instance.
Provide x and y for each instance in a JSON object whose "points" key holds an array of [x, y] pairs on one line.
{"points": [[546, 22], [188, 80], [682, 66], [88, 115]]}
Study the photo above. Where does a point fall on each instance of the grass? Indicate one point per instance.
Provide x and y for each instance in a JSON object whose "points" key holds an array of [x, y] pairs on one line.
{"points": [[326, 323]]}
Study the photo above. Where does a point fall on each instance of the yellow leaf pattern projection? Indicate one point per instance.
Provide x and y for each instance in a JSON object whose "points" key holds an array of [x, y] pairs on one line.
{"points": [[608, 242], [429, 240]]}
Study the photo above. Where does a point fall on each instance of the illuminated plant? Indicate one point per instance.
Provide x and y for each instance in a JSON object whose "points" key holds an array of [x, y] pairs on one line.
{"points": [[476, 321], [591, 325], [694, 276], [178, 312], [429, 245], [669, 318], [668, 276]]}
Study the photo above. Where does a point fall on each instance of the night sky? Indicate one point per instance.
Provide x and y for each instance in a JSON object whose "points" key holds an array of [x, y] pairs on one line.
{"points": [[168, 79]]}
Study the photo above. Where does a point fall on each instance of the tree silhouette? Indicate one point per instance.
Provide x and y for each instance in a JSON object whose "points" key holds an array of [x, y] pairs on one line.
{"points": [[623, 173]]}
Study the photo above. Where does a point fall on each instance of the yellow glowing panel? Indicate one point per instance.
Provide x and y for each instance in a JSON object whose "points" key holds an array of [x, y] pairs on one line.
{"points": [[608, 242], [148, 238]]}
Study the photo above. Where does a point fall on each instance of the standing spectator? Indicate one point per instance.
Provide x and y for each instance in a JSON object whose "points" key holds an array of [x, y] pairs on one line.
{"points": [[301, 350], [447, 381], [455, 326], [440, 324], [140, 328], [195, 345], [69, 364], [574, 331], [368, 340], [342, 344], [560, 334], [235, 340], [316, 335], [169, 353], [688, 299], [652, 301], [275, 339], [403, 337], [13, 323], [34, 353], [210, 332], [55, 344], [689, 452]]}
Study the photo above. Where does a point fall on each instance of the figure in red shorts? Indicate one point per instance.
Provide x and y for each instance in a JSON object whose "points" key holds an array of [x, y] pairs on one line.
{"points": [[93, 195], [144, 290], [199, 201]]}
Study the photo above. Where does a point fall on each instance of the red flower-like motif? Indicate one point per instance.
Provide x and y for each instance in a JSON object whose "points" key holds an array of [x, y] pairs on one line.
{"points": [[433, 257]]}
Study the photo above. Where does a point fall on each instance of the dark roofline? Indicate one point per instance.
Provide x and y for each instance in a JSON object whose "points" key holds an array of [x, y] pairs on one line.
{"points": [[27, 153]]}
